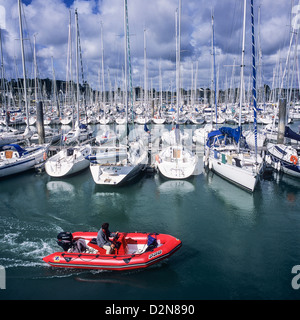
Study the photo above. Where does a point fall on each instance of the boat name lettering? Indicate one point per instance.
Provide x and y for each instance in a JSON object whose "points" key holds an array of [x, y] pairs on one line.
{"points": [[154, 254]]}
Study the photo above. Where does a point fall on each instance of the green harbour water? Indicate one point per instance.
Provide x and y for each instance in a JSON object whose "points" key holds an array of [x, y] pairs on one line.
{"points": [[236, 245]]}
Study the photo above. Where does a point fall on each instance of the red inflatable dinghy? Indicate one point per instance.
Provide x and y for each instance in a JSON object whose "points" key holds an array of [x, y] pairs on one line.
{"points": [[133, 251]]}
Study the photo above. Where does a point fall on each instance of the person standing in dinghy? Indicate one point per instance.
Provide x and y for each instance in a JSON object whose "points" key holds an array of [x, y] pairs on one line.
{"points": [[103, 238]]}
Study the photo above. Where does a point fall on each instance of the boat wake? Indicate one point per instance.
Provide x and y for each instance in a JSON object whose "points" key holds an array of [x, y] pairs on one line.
{"points": [[23, 244]]}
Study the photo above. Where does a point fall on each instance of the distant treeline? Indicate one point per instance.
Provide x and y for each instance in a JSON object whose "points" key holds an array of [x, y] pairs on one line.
{"points": [[47, 87]]}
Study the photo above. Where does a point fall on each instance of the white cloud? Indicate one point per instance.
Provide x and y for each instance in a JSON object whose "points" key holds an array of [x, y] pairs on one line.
{"points": [[2, 17], [49, 21]]}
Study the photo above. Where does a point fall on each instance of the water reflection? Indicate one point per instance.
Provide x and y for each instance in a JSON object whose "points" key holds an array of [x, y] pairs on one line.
{"points": [[116, 203], [148, 278], [234, 198], [60, 186], [176, 186], [288, 186]]}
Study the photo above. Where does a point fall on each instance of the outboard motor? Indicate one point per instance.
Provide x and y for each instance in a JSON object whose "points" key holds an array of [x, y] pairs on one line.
{"points": [[65, 240]]}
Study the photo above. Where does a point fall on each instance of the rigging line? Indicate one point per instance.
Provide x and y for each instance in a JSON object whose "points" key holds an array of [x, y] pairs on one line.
{"points": [[214, 67], [129, 59], [81, 64], [80, 54], [254, 78]]}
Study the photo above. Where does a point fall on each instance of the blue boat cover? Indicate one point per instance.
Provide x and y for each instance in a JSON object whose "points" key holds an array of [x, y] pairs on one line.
{"points": [[19, 149], [146, 129], [231, 132], [214, 133], [289, 133], [211, 135], [82, 126]]}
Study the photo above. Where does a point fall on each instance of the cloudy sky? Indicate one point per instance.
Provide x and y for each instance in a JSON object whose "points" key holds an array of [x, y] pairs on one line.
{"points": [[48, 20]]}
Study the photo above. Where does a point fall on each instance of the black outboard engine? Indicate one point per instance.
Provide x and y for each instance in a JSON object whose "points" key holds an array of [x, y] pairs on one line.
{"points": [[65, 240]]}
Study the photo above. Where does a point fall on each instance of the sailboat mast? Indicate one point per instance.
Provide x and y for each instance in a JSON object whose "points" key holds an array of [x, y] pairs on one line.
{"points": [[35, 70], [125, 62], [242, 64], [145, 72], [178, 94], [77, 66], [179, 49], [128, 56], [68, 66], [178, 40], [214, 67], [160, 85], [23, 64], [3, 85], [254, 79], [177, 85], [102, 68]]}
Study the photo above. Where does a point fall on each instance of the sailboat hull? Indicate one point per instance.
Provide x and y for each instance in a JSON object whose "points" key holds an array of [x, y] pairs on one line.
{"points": [[16, 164], [282, 158], [67, 163], [246, 179], [114, 175], [175, 162], [170, 170]]}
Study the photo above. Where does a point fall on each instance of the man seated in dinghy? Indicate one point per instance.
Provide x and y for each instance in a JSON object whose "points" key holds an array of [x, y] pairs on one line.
{"points": [[103, 238]]}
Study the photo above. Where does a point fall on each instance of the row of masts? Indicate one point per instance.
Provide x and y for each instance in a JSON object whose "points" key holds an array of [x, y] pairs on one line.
{"points": [[54, 91], [72, 93]]}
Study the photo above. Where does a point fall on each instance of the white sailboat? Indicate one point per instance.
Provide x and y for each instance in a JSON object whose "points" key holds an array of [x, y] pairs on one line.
{"points": [[51, 136], [283, 157], [158, 119], [107, 155], [121, 172], [10, 135], [210, 115], [80, 133], [66, 120], [73, 159], [200, 134], [15, 159], [251, 138], [225, 157], [106, 136], [129, 168], [68, 161], [176, 161], [169, 137], [224, 152]]}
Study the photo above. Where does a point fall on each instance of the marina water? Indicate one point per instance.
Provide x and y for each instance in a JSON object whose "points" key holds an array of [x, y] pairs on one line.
{"points": [[236, 245]]}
